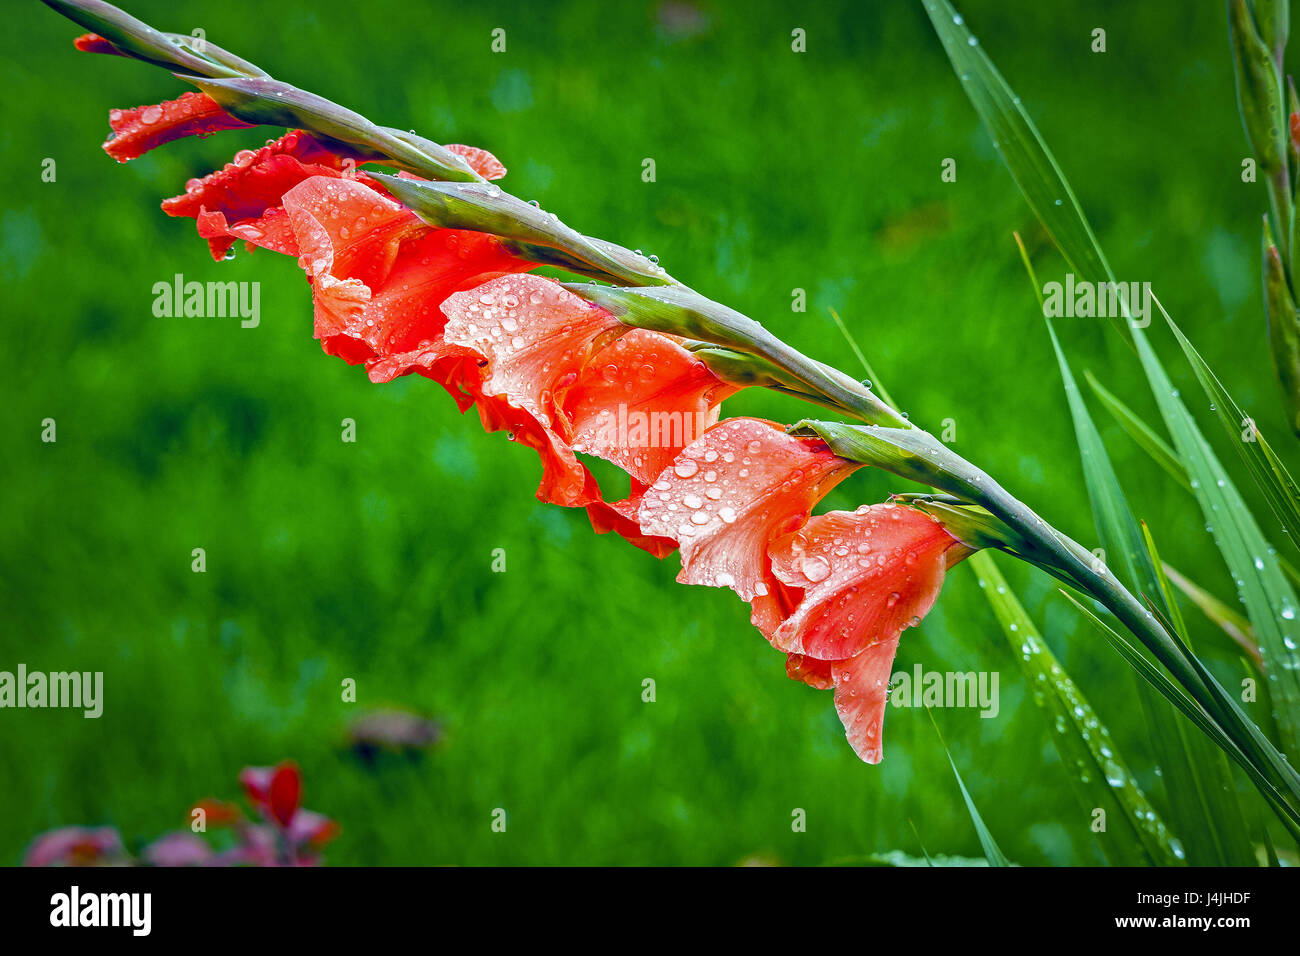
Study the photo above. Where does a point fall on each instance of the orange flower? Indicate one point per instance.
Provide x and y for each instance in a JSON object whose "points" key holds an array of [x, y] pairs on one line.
{"points": [[834, 592], [729, 495], [138, 130], [243, 200], [379, 275], [620, 517], [641, 401], [535, 337], [563, 376], [860, 578]]}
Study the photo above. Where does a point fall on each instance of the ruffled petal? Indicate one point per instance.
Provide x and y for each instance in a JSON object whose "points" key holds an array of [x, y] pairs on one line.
{"points": [[244, 199], [453, 367], [480, 160], [138, 130], [620, 517], [565, 480], [862, 577], [536, 337], [773, 605], [861, 693], [379, 275], [731, 492], [641, 400], [810, 670]]}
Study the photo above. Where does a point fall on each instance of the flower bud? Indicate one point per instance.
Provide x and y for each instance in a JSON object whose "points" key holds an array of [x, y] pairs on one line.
{"points": [[1283, 329], [1259, 89], [530, 232], [136, 39], [269, 102], [970, 524], [678, 310], [910, 453], [1274, 19]]}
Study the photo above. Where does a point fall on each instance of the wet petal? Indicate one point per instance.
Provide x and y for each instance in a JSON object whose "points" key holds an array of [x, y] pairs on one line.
{"points": [[771, 607], [379, 276], [138, 130], [810, 670], [861, 693], [535, 337], [480, 160], [453, 367], [641, 400], [565, 480], [864, 576], [244, 199], [743, 483], [620, 517]]}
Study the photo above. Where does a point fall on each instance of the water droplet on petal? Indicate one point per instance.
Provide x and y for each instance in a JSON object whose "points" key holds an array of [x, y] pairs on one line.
{"points": [[815, 568]]}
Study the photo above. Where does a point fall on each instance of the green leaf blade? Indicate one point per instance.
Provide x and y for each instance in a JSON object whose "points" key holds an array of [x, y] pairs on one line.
{"points": [[1266, 468], [1136, 835]]}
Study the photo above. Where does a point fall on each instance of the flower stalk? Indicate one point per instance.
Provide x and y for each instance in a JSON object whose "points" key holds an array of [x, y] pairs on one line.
{"points": [[1258, 32]]}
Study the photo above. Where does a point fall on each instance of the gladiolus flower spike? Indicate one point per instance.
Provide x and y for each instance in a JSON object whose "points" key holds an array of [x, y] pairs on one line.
{"points": [[435, 291]]}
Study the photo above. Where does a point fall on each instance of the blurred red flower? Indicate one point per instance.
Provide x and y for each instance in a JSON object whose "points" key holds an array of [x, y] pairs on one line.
{"points": [[77, 846]]}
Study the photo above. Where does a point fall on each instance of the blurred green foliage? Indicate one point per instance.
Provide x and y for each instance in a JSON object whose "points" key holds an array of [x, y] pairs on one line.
{"points": [[326, 560]]}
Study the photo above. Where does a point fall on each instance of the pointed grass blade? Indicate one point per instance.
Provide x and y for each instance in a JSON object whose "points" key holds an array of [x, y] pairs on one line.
{"points": [[1135, 835]]}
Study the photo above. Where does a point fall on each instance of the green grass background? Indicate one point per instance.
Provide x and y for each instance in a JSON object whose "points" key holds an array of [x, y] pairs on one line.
{"points": [[372, 560]]}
